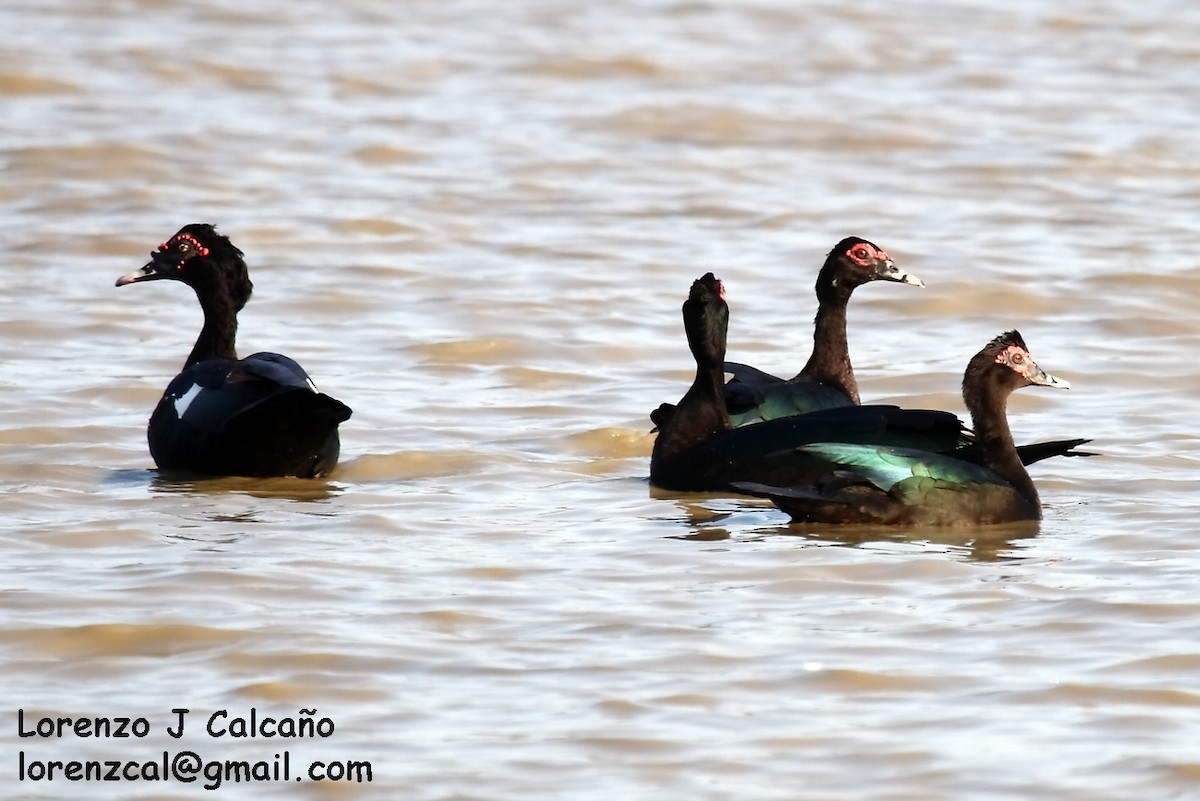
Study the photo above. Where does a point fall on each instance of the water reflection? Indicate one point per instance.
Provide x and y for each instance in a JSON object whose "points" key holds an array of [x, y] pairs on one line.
{"points": [[128, 477], [205, 537], [293, 489], [709, 524], [977, 543], [489, 233]]}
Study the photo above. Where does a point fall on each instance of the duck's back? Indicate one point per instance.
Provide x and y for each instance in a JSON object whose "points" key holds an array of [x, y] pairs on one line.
{"points": [[770, 452], [257, 416], [752, 395]]}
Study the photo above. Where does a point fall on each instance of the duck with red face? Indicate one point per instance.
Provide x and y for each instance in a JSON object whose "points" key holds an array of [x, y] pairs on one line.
{"points": [[257, 416]]}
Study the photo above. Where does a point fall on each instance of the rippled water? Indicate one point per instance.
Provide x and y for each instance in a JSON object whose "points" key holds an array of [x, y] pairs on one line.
{"points": [[475, 224]]}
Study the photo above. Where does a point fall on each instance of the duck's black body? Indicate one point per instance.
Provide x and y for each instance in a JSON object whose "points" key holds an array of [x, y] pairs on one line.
{"points": [[827, 380], [767, 452], [753, 395], [881, 485], [257, 416], [697, 448]]}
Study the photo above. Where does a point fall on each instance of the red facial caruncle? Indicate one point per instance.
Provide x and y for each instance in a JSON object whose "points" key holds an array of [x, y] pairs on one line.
{"points": [[183, 243], [863, 254], [1015, 357]]}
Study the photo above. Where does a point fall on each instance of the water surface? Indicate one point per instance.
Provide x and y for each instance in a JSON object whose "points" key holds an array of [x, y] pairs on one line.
{"points": [[475, 224]]}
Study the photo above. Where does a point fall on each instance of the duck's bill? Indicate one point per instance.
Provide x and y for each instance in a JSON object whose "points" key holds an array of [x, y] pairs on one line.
{"points": [[890, 272], [147, 273], [1041, 378]]}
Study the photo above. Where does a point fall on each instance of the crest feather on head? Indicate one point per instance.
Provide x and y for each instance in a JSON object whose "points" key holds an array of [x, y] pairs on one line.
{"points": [[1012, 337]]}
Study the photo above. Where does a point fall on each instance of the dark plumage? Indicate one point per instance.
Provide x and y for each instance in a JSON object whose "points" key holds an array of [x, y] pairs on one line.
{"points": [[827, 380], [882, 485], [697, 449], [257, 416], [700, 413]]}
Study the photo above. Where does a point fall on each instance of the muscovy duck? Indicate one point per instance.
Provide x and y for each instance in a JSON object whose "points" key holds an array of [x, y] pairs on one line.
{"points": [[880, 485], [257, 416], [697, 448], [827, 380]]}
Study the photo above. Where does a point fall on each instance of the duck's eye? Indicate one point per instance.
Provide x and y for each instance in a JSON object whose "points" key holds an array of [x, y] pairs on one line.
{"points": [[859, 253], [1018, 358], [183, 247]]}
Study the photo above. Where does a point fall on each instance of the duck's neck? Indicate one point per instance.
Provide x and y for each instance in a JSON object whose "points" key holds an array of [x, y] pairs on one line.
{"points": [[219, 332], [829, 363], [989, 417], [698, 417]]}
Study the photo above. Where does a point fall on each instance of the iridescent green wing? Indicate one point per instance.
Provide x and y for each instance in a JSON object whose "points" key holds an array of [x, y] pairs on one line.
{"points": [[887, 467]]}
